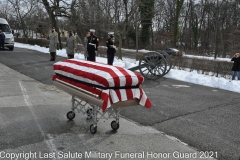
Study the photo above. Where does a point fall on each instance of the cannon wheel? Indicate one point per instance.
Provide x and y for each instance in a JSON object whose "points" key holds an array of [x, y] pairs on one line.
{"points": [[152, 65], [168, 60]]}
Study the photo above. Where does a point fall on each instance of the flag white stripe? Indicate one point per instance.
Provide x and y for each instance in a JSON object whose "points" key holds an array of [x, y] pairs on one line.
{"points": [[67, 74], [123, 94], [143, 99], [114, 96], [135, 79], [136, 93]]}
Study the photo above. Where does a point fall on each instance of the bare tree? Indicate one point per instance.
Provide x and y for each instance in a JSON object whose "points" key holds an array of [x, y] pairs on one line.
{"points": [[5, 9], [23, 11], [55, 9], [199, 27]]}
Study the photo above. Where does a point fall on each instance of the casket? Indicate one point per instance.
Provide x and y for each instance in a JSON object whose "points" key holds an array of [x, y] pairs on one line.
{"points": [[111, 83]]}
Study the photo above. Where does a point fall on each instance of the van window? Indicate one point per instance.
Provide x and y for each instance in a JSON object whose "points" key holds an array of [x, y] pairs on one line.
{"points": [[5, 28]]}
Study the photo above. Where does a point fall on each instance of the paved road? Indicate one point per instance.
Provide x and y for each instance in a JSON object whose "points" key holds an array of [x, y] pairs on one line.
{"points": [[33, 126], [205, 118]]}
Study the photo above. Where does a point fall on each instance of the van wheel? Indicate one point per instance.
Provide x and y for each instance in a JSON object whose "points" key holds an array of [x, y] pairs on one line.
{"points": [[11, 48]]}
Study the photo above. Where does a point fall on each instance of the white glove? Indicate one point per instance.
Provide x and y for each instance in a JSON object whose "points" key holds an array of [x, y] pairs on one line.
{"points": [[112, 46]]}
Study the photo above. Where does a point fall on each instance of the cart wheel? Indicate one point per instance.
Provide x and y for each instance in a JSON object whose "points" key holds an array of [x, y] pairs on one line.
{"points": [[152, 65], [89, 113], [70, 115], [114, 125], [168, 60], [93, 129]]}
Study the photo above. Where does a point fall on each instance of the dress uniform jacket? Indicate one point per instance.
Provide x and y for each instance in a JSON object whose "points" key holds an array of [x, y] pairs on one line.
{"points": [[110, 48], [53, 40], [110, 51], [94, 40]]}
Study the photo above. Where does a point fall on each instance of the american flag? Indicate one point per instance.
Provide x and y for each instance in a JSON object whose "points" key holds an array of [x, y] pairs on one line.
{"points": [[87, 75]]}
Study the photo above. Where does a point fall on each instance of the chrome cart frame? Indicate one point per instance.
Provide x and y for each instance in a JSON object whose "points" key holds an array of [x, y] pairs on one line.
{"points": [[90, 104]]}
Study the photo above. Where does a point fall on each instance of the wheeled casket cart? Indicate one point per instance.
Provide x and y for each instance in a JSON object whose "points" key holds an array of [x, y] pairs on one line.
{"points": [[99, 90]]}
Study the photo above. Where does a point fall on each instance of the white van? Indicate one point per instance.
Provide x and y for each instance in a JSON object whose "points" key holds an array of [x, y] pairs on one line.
{"points": [[9, 39]]}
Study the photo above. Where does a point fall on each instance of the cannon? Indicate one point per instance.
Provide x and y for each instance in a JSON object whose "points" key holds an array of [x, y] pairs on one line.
{"points": [[154, 65]]}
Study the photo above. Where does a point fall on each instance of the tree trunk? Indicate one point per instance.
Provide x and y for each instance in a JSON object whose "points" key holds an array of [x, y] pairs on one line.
{"points": [[119, 51], [52, 17]]}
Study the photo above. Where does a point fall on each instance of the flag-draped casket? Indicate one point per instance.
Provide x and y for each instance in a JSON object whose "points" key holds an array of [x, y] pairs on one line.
{"points": [[111, 83]]}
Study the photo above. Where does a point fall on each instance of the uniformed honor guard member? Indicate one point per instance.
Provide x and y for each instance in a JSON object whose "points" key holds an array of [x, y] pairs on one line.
{"points": [[92, 45], [53, 40], [71, 45], [111, 49]]}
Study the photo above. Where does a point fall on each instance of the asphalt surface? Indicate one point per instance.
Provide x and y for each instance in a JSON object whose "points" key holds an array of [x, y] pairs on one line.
{"points": [[205, 118], [33, 126]]}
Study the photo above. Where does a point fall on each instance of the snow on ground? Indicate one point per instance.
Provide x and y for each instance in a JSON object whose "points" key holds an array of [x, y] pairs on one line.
{"points": [[181, 75]]}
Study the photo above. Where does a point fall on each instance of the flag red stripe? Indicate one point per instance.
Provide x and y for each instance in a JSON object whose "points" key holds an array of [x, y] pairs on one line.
{"points": [[106, 95], [101, 81], [101, 67], [95, 66]]}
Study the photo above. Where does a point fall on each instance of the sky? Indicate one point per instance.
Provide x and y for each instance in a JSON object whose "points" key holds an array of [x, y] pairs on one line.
{"points": [[181, 75]]}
